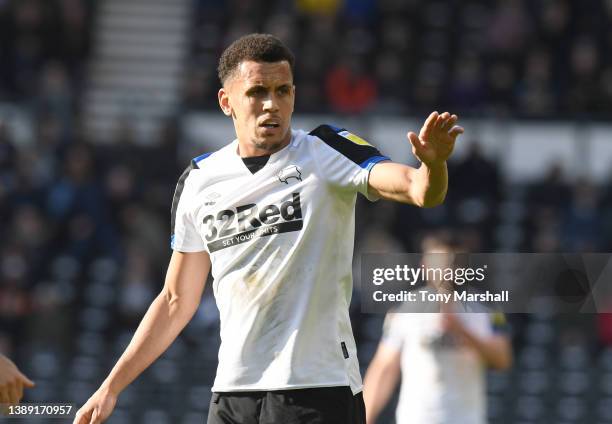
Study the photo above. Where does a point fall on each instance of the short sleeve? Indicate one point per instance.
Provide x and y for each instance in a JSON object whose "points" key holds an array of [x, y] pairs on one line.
{"points": [[345, 159], [393, 336], [184, 235]]}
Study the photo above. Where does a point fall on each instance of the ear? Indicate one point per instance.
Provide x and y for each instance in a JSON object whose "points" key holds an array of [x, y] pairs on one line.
{"points": [[224, 101]]}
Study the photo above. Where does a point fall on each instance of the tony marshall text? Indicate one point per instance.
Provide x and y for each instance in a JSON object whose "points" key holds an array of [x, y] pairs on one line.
{"points": [[425, 296]]}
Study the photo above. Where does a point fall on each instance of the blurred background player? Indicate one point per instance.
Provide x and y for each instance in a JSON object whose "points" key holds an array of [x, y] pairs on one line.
{"points": [[442, 359]]}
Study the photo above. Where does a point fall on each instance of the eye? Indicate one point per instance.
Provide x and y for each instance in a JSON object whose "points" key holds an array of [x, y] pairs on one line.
{"points": [[284, 89], [256, 92]]}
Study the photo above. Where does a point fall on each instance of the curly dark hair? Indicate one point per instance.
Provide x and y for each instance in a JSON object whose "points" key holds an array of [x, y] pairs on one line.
{"points": [[255, 47]]}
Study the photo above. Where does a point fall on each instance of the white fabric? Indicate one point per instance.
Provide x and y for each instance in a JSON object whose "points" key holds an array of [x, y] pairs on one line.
{"points": [[283, 297], [443, 382]]}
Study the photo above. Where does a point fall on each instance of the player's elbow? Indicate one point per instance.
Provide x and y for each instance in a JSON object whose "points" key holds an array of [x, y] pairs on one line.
{"points": [[427, 200], [178, 306], [423, 195]]}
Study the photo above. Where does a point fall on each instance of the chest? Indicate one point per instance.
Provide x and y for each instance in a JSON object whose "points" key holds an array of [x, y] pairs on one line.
{"points": [[235, 206]]}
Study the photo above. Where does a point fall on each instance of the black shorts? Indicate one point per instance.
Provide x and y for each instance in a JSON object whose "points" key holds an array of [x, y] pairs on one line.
{"points": [[325, 405]]}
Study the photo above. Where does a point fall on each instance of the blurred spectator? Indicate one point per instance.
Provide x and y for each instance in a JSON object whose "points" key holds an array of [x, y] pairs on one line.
{"points": [[350, 89], [538, 59], [536, 96], [581, 226], [474, 195], [76, 201], [390, 75], [509, 27], [137, 288], [552, 190], [318, 7], [34, 32], [546, 202], [604, 322]]}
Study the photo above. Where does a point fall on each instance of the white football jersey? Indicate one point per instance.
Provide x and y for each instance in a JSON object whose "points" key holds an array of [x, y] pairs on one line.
{"points": [[443, 381], [281, 246]]}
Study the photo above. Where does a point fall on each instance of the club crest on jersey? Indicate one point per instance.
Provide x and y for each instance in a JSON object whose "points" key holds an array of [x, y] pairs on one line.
{"points": [[292, 171], [244, 223], [354, 138]]}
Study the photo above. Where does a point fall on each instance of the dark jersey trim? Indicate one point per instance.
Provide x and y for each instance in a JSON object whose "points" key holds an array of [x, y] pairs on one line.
{"points": [[255, 163], [360, 154], [179, 191], [177, 195]]}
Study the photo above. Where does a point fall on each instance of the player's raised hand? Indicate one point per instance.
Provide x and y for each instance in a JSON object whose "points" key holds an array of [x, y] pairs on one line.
{"points": [[97, 409], [12, 382], [436, 140]]}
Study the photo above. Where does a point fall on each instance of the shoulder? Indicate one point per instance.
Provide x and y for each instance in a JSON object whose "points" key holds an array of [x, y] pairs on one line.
{"points": [[347, 144], [337, 137], [198, 163], [210, 159], [206, 161]]}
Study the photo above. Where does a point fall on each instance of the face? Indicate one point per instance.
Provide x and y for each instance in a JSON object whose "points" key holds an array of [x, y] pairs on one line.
{"points": [[259, 97]]}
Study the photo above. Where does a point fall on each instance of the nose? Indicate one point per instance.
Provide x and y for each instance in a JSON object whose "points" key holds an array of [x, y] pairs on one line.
{"points": [[270, 104]]}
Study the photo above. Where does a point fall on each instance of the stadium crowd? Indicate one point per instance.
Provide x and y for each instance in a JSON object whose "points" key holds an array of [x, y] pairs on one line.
{"points": [[85, 227], [531, 59]]}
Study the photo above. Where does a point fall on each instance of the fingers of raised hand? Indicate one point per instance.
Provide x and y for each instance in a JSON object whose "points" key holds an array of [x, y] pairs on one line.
{"points": [[442, 119], [431, 119], [455, 131], [448, 124], [429, 125]]}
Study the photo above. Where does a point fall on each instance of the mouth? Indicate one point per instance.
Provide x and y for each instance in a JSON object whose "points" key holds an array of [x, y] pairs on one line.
{"points": [[270, 124]]}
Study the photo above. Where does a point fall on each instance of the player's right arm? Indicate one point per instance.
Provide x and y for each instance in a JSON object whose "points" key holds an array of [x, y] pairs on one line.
{"points": [[168, 314], [380, 380]]}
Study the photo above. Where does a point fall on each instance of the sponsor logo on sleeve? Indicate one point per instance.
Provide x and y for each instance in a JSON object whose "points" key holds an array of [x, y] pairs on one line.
{"points": [[354, 138]]}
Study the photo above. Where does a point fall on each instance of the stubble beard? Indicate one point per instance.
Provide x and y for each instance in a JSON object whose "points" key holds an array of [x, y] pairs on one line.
{"points": [[268, 147], [273, 146]]}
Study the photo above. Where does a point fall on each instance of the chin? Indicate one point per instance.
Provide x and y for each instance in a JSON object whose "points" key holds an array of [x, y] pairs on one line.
{"points": [[267, 145]]}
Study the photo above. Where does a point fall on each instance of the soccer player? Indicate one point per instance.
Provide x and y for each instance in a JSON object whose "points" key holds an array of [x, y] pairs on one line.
{"points": [[12, 382], [272, 214], [442, 359]]}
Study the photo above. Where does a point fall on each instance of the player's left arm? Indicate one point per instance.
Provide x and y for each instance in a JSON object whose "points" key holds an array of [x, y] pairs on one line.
{"points": [[427, 185]]}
